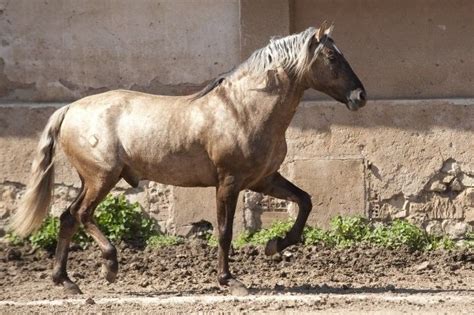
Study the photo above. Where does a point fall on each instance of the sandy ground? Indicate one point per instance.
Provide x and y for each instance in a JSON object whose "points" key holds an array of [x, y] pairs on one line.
{"points": [[302, 279]]}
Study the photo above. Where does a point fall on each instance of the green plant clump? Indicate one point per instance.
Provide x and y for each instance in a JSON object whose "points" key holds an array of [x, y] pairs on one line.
{"points": [[46, 236], [211, 239], [469, 241], [347, 231], [163, 240], [121, 220], [116, 217], [350, 231], [277, 229]]}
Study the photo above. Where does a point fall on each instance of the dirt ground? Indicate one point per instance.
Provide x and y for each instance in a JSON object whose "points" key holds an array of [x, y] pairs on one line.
{"points": [[302, 279]]}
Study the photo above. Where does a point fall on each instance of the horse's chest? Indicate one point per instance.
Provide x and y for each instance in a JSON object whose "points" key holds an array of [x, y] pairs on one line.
{"points": [[265, 159]]}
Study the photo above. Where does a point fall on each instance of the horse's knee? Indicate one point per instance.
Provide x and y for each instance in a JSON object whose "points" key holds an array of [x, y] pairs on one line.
{"points": [[305, 203], [67, 220]]}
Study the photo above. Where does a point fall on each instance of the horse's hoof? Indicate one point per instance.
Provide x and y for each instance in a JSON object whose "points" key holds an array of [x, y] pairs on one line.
{"points": [[108, 274], [237, 288], [71, 288], [272, 247]]}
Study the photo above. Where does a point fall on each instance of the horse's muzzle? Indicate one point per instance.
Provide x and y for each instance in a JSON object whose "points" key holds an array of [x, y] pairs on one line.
{"points": [[356, 99]]}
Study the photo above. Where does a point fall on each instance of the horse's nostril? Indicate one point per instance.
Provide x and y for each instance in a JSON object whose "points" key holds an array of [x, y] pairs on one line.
{"points": [[358, 97]]}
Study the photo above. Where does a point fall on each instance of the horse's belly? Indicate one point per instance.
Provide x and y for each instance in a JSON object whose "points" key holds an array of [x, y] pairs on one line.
{"points": [[185, 168]]}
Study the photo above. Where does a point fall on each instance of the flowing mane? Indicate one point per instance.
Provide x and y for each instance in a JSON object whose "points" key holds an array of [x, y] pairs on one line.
{"points": [[290, 52]]}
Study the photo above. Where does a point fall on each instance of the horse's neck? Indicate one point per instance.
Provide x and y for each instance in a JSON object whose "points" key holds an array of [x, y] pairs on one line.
{"points": [[269, 100]]}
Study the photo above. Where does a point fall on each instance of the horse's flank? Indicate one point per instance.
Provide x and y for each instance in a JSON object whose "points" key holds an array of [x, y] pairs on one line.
{"points": [[237, 123], [174, 140]]}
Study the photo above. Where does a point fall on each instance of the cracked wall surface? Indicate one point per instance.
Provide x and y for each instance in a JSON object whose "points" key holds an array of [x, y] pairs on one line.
{"points": [[61, 50], [392, 159], [417, 159], [444, 206]]}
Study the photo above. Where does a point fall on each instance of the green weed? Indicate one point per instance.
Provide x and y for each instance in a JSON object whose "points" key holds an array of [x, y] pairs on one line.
{"points": [[351, 231], [277, 229], [119, 219], [211, 239], [163, 240]]}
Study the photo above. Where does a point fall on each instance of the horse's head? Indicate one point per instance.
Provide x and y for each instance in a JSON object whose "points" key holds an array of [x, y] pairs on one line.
{"points": [[330, 72]]}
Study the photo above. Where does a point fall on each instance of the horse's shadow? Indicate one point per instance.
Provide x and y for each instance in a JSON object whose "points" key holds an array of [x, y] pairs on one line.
{"points": [[307, 289], [304, 289]]}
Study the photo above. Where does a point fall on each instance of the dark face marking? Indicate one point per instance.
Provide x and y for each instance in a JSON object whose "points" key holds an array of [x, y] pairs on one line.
{"points": [[331, 74]]}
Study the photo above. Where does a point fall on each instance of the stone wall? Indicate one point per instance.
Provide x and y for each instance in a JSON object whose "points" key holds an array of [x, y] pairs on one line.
{"points": [[407, 154], [392, 159]]}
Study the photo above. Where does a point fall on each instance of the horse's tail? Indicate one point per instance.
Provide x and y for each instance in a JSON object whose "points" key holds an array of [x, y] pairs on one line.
{"points": [[34, 204]]}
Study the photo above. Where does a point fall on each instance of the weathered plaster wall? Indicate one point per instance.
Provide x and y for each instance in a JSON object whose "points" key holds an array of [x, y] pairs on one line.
{"points": [[401, 49], [64, 49], [406, 147], [392, 159]]}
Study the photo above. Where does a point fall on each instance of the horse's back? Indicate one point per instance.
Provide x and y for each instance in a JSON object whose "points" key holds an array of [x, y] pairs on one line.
{"points": [[149, 135]]}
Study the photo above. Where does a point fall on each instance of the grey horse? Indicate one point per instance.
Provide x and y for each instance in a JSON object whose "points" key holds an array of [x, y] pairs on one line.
{"points": [[230, 135]]}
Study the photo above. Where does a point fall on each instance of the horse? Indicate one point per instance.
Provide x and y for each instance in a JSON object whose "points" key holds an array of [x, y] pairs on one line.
{"points": [[230, 135]]}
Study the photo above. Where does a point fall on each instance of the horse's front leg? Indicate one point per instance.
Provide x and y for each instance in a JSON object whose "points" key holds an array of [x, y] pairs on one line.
{"points": [[227, 193], [278, 186]]}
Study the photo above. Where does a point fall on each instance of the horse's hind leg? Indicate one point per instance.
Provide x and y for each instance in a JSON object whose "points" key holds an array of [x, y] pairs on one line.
{"points": [[67, 228], [95, 191], [279, 187]]}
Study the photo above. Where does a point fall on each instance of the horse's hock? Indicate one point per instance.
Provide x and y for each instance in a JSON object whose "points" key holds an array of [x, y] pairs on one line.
{"points": [[395, 158], [390, 160]]}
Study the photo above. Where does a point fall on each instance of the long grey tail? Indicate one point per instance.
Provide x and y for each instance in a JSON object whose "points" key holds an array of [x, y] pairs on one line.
{"points": [[34, 204]]}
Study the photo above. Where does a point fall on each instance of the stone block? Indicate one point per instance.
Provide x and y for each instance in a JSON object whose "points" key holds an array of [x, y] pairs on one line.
{"points": [[456, 229], [63, 196], [451, 167], [253, 210], [469, 215], [9, 199], [336, 188], [448, 179], [456, 185], [191, 205], [467, 181], [466, 201], [437, 186], [434, 228], [437, 207], [160, 199]]}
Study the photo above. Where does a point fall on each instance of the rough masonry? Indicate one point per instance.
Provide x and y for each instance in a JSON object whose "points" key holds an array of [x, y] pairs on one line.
{"points": [[407, 154]]}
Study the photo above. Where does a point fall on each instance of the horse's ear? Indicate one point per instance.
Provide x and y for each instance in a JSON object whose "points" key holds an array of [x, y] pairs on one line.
{"points": [[322, 30], [329, 30]]}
